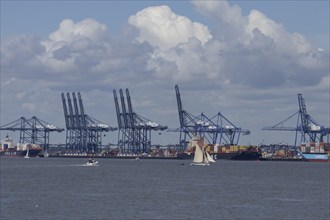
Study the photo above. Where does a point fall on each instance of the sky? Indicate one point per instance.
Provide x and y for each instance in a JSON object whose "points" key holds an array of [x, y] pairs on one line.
{"points": [[245, 59]]}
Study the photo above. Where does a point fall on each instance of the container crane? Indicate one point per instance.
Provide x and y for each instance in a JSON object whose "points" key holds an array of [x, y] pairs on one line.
{"points": [[307, 127], [216, 130], [32, 130], [83, 132], [134, 133]]}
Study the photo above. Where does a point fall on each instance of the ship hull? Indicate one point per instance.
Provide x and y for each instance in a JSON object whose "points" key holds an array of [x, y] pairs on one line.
{"points": [[21, 153], [224, 156], [321, 157], [200, 164]]}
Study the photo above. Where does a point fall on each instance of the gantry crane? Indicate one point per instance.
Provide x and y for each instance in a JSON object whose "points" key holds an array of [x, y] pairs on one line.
{"points": [[306, 126], [134, 131], [32, 130], [216, 130], [83, 132]]}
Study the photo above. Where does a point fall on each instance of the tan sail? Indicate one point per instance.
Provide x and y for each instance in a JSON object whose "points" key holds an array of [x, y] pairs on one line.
{"points": [[201, 156], [210, 159], [198, 158]]}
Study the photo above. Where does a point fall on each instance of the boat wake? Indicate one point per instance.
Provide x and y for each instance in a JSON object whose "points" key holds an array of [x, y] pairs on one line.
{"points": [[87, 165]]}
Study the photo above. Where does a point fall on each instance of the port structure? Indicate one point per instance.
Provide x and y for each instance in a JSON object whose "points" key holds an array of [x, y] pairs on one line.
{"points": [[216, 130], [309, 129], [134, 130], [83, 132], [32, 130]]}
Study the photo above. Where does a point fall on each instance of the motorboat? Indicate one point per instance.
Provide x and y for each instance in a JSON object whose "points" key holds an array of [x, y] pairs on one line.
{"points": [[92, 162]]}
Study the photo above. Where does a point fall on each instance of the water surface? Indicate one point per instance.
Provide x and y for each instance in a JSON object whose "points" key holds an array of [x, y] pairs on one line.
{"points": [[62, 188]]}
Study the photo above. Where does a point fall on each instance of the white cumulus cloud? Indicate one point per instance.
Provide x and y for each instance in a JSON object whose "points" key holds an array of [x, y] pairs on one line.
{"points": [[162, 28], [74, 45], [258, 51], [69, 31]]}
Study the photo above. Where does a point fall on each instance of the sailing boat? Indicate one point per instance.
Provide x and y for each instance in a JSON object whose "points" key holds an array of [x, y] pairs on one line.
{"points": [[27, 153], [201, 157]]}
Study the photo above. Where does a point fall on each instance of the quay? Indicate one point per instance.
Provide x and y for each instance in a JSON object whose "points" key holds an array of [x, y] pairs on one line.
{"points": [[114, 157]]}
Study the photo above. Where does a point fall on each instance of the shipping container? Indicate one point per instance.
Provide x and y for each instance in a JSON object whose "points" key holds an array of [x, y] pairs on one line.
{"points": [[215, 148], [21, 146]]}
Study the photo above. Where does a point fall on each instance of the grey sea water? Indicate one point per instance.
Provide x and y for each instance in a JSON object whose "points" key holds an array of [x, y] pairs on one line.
{"points": [[59, 188]]}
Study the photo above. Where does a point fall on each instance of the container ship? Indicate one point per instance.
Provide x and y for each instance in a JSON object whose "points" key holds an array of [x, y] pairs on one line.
{"points": [[315, 152], [228, 152], [9, 149]]}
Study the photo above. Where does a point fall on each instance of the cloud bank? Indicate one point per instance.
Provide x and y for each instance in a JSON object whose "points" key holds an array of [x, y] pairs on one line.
{"points": [[250, 50]]}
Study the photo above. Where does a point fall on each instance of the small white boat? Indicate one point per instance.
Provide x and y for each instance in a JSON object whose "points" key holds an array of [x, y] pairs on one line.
{"points": [[92, 162]]}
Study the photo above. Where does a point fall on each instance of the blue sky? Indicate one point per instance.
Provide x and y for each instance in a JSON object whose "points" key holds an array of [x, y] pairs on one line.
{"points": [[246, 59]]}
